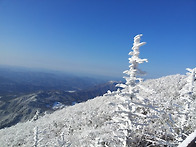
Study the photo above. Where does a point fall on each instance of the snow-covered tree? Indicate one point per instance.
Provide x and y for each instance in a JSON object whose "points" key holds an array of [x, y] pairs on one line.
{"points": [[187, 100], [159, 121], [134, 60], [176, 114], [128, 110]]}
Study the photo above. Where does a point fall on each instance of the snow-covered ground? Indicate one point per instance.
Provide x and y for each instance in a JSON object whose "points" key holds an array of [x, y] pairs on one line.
{"points": [[79, 125], [85, 124]]}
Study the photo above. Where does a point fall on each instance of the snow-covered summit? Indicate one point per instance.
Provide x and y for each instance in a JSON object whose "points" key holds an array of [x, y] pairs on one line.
{"points": [[159, 112], [85, 124]]}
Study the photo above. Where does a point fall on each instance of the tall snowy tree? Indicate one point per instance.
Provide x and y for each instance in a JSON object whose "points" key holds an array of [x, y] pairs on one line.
{"points": [[128, 110], [147, 122], [134, 60]]}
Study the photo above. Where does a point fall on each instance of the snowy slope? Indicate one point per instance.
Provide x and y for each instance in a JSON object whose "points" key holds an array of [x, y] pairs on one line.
{"points": [[85, 124], [81, 124]]}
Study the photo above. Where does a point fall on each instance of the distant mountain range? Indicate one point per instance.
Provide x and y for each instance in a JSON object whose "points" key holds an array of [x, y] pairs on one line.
{"points": [[23, 81], [24, 92]]}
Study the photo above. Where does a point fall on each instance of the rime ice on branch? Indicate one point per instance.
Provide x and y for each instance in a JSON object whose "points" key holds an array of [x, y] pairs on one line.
{"points": [[191, 78], [133, 68], [188, 119], [128, 112]]}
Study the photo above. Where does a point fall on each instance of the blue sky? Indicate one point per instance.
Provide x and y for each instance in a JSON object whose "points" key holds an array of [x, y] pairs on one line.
{"points": [[95, 36]]}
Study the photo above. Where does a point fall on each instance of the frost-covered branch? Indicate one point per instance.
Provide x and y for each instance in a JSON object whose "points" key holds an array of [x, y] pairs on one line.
{"points": [[134, 61], [36, 137], [186, 96]]}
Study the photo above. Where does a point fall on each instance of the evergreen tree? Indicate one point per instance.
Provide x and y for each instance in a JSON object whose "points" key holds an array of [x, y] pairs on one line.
{"points": [[128, 110]]}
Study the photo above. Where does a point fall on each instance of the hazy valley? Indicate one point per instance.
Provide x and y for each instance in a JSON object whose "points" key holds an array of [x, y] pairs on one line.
{"points": [[25, 92]]}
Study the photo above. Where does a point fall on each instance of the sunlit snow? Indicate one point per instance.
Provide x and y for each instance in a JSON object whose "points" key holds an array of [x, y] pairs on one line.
{"points": [[156, 112]]}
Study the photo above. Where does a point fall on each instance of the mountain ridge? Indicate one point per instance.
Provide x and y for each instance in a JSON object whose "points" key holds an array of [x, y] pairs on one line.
{"points": [[85, 124], [24, 107]]}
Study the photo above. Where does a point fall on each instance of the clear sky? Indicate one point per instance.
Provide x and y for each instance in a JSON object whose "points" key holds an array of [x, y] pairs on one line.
{"points": [[95, 36]]}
